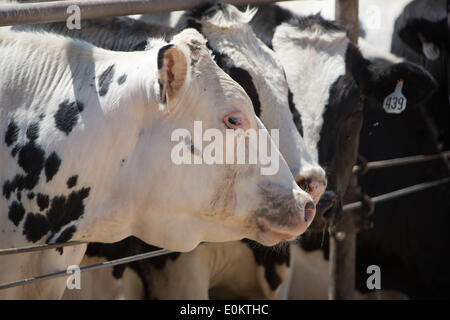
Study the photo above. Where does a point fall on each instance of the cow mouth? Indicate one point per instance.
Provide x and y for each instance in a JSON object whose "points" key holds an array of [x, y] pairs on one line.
{"points": [[272, 233]]}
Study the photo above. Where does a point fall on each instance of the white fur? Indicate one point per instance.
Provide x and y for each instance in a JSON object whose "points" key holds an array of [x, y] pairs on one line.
{"points": [[370, 52], [313, 60]]}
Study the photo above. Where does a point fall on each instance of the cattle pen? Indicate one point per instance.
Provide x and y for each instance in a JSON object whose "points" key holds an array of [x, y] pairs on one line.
{"points": [[342, 234]]}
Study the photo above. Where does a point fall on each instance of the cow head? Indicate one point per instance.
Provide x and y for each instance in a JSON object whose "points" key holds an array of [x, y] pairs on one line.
{"points": [[255, 67], [196, 187], [423, 27]]}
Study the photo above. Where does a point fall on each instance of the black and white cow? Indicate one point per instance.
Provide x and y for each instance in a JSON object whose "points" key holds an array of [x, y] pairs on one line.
{"points": [[407, 231], [330, 90], [84, 144]]}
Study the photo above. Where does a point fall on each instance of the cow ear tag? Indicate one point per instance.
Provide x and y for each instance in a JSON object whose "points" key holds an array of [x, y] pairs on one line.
{"points": [[396, 101]]}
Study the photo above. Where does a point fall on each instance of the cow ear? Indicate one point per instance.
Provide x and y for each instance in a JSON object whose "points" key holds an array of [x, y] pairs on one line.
{"points": [[425, 37], [172, 69], [418, 84], [358, 67]]}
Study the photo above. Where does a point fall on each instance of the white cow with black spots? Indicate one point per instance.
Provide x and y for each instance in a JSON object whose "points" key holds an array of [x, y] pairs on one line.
{"points": [[86, 154]]}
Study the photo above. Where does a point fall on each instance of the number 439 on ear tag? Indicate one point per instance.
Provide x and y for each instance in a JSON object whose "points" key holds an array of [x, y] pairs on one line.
{"points": [[396, 101]]}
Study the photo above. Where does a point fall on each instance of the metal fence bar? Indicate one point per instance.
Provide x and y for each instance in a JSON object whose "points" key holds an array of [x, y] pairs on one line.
{"points": [[343, 250], [398, 193], [42, 12], [405, 160], [63, 273], [39, 247]]}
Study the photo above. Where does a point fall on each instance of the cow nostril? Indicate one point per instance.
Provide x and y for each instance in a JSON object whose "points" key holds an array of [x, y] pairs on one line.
{"points": [[304, 184], [310, 206], [310, 211]]}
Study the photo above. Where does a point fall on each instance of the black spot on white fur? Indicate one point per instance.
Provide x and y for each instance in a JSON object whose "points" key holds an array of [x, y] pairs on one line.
{"points": [[269, 259], [33, 131], [241, 76], [35, 227], [122, 79], [65, 236], [18, 183], [105, 80], [16, 212], [42, 201], [65, 209], [15, 150], [72, 181], [67, 115], [52, 165], [11, 133], [31, 160]]}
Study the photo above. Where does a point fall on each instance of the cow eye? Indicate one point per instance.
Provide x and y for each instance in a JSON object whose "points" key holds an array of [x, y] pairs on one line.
{"points": [[236, 120]]}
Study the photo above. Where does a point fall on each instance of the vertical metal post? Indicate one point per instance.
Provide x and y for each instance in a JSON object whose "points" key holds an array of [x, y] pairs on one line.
{"points": [[346, 13], [343, 235], [342, 255]]}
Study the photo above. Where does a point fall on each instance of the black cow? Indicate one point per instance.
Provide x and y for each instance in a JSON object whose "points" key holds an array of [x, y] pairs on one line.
{"points": [[421, 35], [410, 241]]}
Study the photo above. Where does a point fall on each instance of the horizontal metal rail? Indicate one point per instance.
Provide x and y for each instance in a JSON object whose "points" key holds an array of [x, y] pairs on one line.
{"points": [[63, 273], [401, 161], [397, 193], [39, 247], [42, 12]]}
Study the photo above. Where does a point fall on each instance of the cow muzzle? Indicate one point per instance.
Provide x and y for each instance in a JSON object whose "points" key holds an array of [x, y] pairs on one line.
{"points": [[313, 181], [328, 208], [285, 218]]}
